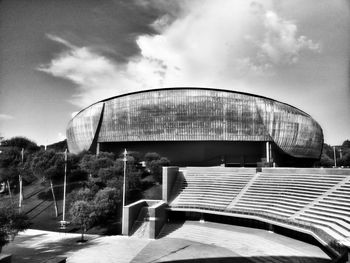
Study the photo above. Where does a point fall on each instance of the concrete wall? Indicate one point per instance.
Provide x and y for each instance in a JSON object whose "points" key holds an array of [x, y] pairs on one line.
{"points": [[170, 174], [307, 170], [158, 217], [130, 214]]}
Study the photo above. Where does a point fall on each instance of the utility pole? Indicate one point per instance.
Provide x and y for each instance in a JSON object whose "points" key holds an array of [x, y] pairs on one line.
{"points": [[335, 157]]}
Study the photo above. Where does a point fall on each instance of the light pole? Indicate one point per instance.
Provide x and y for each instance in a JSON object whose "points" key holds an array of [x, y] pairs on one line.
{"points": [[124, 184], [335, 157], [20, 183], [64, 222]]}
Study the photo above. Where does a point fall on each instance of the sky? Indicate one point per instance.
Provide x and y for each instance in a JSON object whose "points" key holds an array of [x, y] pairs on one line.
{"points": [[58, 57]]}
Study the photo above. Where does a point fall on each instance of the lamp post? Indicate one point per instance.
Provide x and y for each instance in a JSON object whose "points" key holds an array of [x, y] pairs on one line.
{"points": [[335, 157], [124, 185], [20, 183], [64, 222]]}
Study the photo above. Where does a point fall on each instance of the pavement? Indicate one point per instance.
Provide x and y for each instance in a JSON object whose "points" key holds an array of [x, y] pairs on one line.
{"points": [[187, 242]]}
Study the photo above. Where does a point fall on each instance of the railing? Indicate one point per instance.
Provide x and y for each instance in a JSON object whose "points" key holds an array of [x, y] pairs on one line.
{"points": [[331, 242]]}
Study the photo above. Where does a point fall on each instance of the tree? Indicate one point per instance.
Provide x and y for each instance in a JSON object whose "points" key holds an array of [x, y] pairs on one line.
{"points": [[11, 222], [345, 161], [91, 163], [327, 150], [346, 144], [21, 142], [326, 161], [106, 202], [82, 213], [154, 163], [10, 159], [83, 194], [49, 165]]}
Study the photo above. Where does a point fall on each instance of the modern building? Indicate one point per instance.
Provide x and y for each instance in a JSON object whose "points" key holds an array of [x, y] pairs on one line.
{"points": [[199, 126]]}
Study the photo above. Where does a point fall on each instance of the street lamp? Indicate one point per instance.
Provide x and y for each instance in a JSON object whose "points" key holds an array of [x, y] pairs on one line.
{"points": [[335, 157], [20, 183], [64, 222], [124, 183]]}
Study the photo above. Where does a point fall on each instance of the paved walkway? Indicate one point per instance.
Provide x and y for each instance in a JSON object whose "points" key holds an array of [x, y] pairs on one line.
{"points": [[188, 242]]}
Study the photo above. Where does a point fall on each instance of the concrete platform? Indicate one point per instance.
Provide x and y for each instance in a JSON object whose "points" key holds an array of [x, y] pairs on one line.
{"points": [[190, 241]]}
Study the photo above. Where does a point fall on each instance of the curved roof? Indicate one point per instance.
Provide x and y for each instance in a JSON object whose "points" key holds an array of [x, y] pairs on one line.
{"points": [[195, 114]]}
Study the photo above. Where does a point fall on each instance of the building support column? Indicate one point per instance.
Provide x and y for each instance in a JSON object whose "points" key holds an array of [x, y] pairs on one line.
{"points": [[268, 157], [98, 149]]}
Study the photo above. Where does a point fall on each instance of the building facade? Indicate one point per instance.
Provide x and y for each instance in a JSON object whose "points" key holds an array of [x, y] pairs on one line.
{"points": [[197, 126]]}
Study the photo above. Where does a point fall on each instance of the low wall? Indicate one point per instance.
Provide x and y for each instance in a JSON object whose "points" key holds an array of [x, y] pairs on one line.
{"points": [[130, 214], [157, 218], [288, 170], [170, 174]]}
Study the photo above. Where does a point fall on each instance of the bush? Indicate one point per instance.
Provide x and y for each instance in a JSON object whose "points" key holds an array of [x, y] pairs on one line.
{"points": [[11, 222]]}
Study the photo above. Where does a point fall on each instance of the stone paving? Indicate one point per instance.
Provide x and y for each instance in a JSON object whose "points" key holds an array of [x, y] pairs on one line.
{"points": [[187, 242]]}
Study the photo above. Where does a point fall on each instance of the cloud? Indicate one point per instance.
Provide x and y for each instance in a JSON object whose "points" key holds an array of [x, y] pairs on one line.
{"points": [[61, 136], [60, 40], [95, 75], [280, 44], [208, 43], [5, 117]]}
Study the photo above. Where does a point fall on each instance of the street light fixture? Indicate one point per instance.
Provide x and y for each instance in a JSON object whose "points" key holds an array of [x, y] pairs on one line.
{"points": [[64, 223], [20, 183], [124, 183]]}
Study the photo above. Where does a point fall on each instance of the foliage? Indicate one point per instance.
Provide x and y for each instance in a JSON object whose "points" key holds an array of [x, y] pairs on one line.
{"points": [[327, 150], [345, 161], [106, 202], [48, 165], [82, 213], [10, 160], [11, 222], [151, 156], [326, 161], [155, 163], [84, 194], [346, 144], [91, 163], [21, 142], [327, 158], [60, 146]]}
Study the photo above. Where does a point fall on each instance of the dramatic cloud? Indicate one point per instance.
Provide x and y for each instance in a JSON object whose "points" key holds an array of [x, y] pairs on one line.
{"points": [[96, 76], [5, 117], [280, 44], [202, 43]]}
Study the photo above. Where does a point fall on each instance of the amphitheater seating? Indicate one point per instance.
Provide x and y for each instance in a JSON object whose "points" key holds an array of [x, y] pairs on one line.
{"points": [[320, 200], [211, 187], [332, 210]]}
